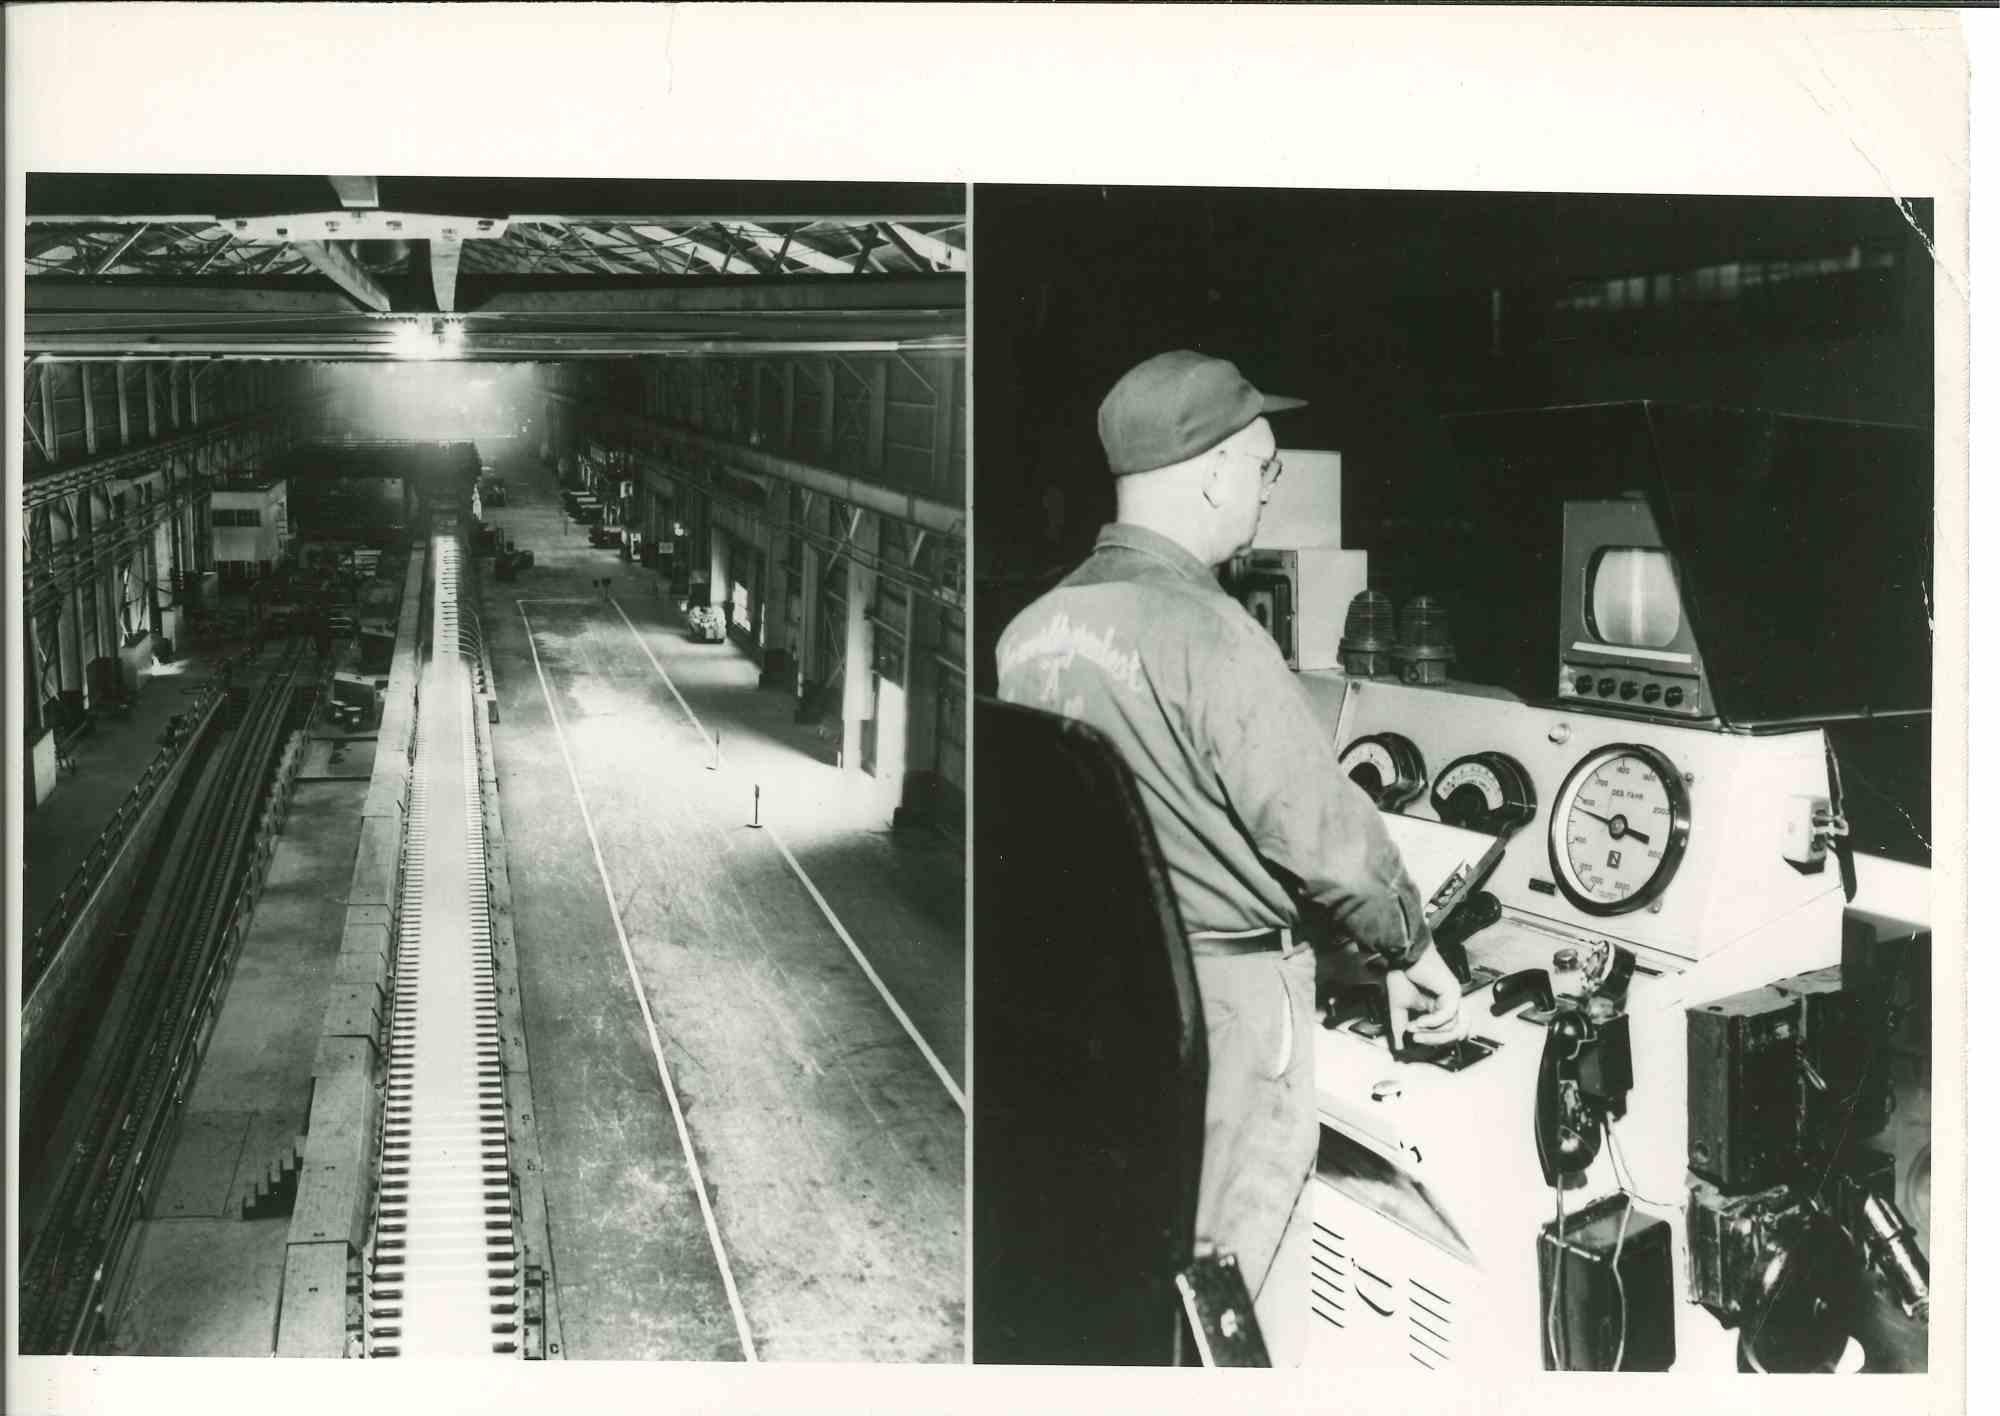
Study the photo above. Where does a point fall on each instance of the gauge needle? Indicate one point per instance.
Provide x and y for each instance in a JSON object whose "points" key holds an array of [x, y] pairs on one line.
{"points": [[1620, 829]]}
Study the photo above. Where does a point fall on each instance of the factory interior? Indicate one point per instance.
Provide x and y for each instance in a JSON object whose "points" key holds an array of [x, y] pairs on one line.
{"points": [[1601, 511], [495, 698]]}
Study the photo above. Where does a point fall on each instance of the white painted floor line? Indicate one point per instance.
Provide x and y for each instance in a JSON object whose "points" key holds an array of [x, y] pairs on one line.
{"points": [[943, 1074], [645, 1010], [909, 1027], [647, 650]]}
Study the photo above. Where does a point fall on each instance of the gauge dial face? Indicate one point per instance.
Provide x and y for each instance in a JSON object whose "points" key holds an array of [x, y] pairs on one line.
{"points": [[1387, 766], [1619, 828], [1487, 791]]}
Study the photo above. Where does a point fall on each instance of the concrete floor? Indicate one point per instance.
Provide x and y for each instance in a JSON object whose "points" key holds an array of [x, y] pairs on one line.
{"points": [[831, 1150], [204, 1280], [59, 832]]}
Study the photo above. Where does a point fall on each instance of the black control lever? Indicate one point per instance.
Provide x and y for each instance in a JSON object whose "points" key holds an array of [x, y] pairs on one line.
{"points": [[1478, 910], [1528, 985], [1617, 981]]}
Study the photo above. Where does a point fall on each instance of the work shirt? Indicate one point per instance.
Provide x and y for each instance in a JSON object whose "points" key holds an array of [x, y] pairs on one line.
{"points": [[1250, 809]]}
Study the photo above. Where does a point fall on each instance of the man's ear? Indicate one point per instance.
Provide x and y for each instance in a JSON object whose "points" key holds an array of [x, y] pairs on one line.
{"points": [[1211, 483]]}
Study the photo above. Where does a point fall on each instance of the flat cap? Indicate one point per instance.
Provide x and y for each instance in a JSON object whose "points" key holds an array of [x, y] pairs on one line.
{"points": [[1175, 406]]}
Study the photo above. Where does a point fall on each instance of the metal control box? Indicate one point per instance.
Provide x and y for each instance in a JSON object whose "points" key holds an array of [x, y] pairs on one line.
{"points": [[1743, 1088], [1301, 597], [1608, 1291]]}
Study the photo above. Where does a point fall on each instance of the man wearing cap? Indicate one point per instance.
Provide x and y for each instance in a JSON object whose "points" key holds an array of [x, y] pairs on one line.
{"points": [[1258, 826]]}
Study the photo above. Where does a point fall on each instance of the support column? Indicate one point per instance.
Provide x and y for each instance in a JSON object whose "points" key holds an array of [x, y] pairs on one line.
{"points": [[69, 635], [87, 381], [104, 582], [809, 628], [718, 567], [159, 556], [857, 703], [920, 685], [780, 634]]}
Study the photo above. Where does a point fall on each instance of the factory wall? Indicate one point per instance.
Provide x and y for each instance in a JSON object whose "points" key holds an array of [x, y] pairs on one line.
{"points": [[819, 501], [119, 460]]}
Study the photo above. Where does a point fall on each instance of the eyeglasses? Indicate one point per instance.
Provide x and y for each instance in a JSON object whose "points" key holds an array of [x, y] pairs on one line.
{"points": [[1269, 468]]}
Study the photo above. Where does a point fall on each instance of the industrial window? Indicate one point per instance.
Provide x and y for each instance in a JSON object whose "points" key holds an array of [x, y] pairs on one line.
{"points": [[1856, 289], [1713, 284], [238, 516]]}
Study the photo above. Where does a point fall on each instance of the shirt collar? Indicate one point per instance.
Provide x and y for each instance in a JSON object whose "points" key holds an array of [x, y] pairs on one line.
{"points": [[1123, 535]]}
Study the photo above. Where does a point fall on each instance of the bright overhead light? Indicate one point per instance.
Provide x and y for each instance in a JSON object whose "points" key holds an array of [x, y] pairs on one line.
{"points": [[437, 339], [413, 341]]}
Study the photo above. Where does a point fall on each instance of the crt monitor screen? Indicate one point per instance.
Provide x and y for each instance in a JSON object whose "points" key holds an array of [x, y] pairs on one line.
{"points": [[1634, 601]]}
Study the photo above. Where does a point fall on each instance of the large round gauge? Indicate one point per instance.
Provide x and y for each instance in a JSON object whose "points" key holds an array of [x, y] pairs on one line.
{"points": [[1387, 766], [1488, 791], [1618, 829]]}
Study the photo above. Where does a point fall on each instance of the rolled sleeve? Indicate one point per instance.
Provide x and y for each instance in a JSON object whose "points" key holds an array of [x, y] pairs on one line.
{"points": [[1276, 762]]}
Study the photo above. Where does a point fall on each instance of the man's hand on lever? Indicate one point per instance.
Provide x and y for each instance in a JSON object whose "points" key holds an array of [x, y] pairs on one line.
{"points": [[1424, 1003]]}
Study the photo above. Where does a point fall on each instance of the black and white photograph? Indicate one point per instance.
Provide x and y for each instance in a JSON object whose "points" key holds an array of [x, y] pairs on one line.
{"points": [[887, 707], [1453, 780], [494, 695]]}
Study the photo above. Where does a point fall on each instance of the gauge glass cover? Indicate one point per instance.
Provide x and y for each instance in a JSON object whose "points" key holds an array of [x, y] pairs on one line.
{"points": [[1395, 762], [1619, 829]]}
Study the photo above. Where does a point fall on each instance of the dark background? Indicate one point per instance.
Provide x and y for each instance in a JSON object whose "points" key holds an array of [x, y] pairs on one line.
{"points": [[1391, 311]]}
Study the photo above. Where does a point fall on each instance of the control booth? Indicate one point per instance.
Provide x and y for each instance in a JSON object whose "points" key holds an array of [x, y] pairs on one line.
{"points": [[1690, 1127]]}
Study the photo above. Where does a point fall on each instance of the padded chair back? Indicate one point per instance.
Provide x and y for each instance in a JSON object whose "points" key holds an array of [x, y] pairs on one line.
{"points": [[1089, 1056]]}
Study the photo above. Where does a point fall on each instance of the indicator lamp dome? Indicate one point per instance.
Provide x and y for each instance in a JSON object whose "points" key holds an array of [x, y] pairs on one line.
{"points": [[1368, 644], [1425, 642]]}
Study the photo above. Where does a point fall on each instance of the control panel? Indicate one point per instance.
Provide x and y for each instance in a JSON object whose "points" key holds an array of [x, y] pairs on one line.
{"points": [[1683, 842], [1642, 866]]}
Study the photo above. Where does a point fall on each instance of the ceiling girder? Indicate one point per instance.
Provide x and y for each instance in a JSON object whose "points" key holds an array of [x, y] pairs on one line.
{"points": [[361, 192], [346, 272], [444, 272]]}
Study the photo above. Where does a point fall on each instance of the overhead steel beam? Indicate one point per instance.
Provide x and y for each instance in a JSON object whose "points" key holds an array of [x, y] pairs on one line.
{"points": [[748, 252], [669, 239], [444, 271], [718, 218], [63, 295], [647, 434], [346, 272], [123, 246], [70, 478], [356, 192], [786, 246], [941, 255], [777, 293], [526, 347], [594, 217]]}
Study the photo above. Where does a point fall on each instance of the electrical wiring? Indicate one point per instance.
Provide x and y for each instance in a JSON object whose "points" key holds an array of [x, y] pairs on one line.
{"points": [[1555, 1288], [1618, 1279], [1623, 1173]]}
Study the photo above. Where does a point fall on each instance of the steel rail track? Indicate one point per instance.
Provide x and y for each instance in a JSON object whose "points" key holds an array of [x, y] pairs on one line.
{"points": [[444, 1269], [185, 929]]}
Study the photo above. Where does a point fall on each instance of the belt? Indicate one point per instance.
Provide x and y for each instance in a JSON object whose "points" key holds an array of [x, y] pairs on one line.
{"points": [[1229, 946]]}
